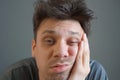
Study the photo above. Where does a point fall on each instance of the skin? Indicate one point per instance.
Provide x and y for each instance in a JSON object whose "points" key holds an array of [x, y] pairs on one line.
{"points": [[61, 50]]}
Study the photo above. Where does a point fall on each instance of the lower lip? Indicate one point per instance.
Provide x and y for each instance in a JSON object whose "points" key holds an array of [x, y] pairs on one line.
{"points": [[59, 69]]}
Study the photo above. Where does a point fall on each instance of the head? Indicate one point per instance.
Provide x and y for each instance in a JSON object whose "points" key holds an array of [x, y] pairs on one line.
{"points": [[58, 29]]}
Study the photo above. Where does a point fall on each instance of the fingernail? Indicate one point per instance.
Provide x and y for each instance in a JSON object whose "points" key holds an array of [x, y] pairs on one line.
{"points": [[84, 35]]}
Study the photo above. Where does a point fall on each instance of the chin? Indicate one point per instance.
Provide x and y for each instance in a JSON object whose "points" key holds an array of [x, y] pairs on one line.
{"points": [[58, 76]]}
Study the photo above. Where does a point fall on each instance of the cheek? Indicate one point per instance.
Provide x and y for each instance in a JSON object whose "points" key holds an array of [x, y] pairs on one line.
{"points": [[40, 56], [73, 50]]}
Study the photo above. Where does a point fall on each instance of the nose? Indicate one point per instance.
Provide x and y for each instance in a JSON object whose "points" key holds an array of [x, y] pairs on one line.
{"points": [[61, 49]]}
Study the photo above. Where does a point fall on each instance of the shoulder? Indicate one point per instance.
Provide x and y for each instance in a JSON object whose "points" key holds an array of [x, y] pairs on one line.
{"points": [[95, 65], [21, 70], [97, 71], [22, 64]]}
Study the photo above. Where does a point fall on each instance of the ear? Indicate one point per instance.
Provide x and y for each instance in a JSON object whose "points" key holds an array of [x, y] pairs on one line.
{"points": [[33, 48]]}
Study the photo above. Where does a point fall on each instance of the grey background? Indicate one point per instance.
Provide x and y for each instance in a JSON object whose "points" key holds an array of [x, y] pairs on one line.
{"points": [[16, 33]]}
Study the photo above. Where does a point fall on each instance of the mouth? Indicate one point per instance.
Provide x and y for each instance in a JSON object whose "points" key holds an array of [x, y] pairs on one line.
{"points": [[57, 68]]}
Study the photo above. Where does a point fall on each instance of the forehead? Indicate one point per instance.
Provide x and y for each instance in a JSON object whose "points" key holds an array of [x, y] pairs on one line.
{"points": [[60, 26]]}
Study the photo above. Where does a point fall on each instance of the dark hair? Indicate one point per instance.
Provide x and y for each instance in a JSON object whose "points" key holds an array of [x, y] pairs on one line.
{"points": [[62, 9]]}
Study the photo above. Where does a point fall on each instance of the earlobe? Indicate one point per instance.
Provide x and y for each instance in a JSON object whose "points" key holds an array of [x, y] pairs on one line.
{"points": [[33, 48]]}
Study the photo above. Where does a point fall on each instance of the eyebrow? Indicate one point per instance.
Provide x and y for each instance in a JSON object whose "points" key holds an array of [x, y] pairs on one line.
{"points": [[53, 32], [48, 31]]}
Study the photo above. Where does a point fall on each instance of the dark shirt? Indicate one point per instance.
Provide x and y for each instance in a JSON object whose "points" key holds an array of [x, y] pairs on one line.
{"points": [[27, 70]]}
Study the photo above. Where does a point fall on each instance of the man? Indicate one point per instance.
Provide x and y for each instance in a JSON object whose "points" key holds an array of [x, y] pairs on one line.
{"points": [[60, 47]]}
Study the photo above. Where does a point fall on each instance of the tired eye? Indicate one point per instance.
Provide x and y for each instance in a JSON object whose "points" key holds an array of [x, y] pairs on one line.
{"points": [[73, 42], [49, 41]]}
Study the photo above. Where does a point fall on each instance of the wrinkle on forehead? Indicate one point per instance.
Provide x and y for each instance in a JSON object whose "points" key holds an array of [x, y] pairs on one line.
{"points": [[63, 26]]}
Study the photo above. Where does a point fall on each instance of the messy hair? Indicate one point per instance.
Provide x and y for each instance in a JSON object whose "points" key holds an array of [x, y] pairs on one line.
{"points": [[62, 10]]}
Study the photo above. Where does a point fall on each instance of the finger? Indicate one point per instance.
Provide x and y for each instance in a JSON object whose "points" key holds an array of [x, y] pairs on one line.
{"points": [[79, 58], [80, 51], [86, 52]]}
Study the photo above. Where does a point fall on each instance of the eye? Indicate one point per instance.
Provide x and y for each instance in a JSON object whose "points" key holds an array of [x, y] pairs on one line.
{"points": [[73, 42], [49, 41]]}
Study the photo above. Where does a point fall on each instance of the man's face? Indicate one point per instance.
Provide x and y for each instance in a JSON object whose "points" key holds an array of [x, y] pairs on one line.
{"points": [[56, 47]]}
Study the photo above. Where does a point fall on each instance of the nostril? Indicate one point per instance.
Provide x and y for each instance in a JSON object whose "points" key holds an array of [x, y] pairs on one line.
{"points": [[60, 53]]}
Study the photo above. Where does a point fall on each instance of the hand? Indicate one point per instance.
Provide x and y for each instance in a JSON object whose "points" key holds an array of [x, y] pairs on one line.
{"points": [[81, 66]]}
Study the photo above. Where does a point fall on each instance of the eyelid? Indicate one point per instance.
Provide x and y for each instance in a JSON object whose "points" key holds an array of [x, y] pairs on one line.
{"points": [[46, 39], [49, 40], [73, 41]]}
